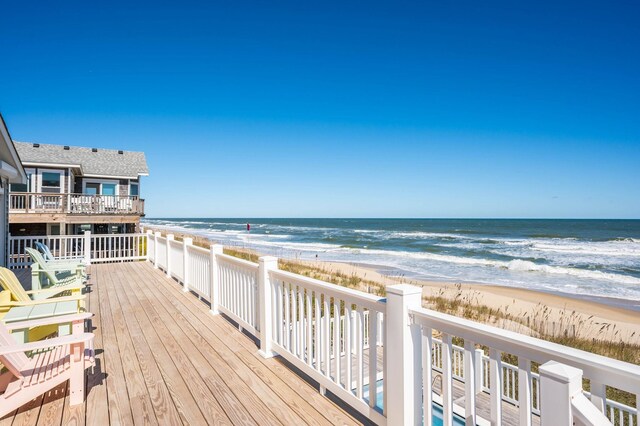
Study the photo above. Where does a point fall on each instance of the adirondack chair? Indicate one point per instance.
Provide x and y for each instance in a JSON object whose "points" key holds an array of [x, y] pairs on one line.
{"points": [[20, 297], [40, 267], [8, 301], [52, 362], [50, 259]]}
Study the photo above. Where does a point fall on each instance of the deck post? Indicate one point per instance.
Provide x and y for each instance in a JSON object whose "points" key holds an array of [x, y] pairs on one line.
{"points": [[479, 370], [403, 357], [87, 247], [149, 233], [214, 278], [169, 239], [185, 263], [155, 249], [266, 264], [559, 383]]}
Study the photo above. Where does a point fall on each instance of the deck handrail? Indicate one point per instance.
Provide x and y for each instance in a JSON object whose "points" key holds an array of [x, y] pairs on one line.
{"points": [[87, 247], [626, 376], [74, 203]]}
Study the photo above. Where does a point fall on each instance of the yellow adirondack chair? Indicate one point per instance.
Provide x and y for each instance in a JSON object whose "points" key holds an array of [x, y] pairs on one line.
{"points": [[52, 362], [20, 297]]}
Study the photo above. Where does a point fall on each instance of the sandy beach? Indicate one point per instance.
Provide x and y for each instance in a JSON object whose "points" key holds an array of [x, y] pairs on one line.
{"points": [[518, 302]]}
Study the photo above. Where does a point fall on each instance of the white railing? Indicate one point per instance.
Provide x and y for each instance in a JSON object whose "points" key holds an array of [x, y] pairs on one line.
{"points": [[326, 331], [304, 313], [199, 270], [516, 385], [118, 247], [62, 247], [176, 259], [32, 202], [161, 253], [239, 291], [87, 247]]}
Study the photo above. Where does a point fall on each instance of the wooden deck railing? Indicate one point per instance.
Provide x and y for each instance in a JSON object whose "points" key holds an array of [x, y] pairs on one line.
{"points": [[31, 202]]}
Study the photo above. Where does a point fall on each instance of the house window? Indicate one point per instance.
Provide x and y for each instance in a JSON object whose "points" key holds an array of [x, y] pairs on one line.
{"points": [[108, 189], [92, 188], [51, 182], [134, 189]]}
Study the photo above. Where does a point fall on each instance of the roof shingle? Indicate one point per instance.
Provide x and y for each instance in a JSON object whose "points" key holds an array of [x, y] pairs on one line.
{"points": [[104, 162]]}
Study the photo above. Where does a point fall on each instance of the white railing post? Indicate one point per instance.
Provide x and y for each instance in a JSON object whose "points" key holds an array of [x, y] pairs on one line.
{"points": [[599, 395], [266, 264], [185, 263], [214, 278], [403, 357], [559, 383], [149, 236], [87, 247], [155, 249], [169, 239], [479, 371]]}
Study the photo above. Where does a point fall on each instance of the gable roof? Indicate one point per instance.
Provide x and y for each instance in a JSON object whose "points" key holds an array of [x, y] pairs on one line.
{"points": [[103, 162]]}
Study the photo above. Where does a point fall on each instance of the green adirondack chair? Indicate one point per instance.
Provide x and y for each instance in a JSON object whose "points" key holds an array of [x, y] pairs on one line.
{"points": [[46, 276]]}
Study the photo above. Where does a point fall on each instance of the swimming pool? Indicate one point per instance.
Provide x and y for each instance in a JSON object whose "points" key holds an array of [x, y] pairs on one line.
{"points": [[437, 408]]}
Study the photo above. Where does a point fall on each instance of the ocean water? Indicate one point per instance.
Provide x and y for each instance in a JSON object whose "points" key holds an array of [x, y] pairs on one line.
{"points": [[589, 258]]}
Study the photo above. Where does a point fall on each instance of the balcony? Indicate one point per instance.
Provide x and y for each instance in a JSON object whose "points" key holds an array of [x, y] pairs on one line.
{"points": [[75, 204]]}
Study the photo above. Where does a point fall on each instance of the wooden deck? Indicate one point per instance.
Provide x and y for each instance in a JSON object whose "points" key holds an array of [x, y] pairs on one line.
{"points": [[162, 358]]}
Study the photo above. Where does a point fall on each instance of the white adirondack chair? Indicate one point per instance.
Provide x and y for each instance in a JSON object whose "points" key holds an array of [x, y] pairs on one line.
{"points": [[53, 361]]}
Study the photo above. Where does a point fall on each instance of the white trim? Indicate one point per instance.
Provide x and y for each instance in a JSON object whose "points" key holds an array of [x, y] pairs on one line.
{"points": [[17, 164], [112, 177], [8, 171], [61, 172], [54, 165]]}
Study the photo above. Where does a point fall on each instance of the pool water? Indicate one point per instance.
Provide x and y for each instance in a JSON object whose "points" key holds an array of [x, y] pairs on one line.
{"points": [[437, 408]]}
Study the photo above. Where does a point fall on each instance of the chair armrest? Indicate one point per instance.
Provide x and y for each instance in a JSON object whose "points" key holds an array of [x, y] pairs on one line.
{"points": [[48, 321], [75, 297], [36, 267], [55, 290], [47, 343]]}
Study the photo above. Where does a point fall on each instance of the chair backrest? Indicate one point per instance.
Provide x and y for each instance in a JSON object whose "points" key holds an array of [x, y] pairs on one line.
{"points": [[43, 265], [14, 362], [10, 282], [44, 249]]}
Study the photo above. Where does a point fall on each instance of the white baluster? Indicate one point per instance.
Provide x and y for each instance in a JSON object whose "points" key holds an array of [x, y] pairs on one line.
{"points": [[470, 367], [524, 391]]}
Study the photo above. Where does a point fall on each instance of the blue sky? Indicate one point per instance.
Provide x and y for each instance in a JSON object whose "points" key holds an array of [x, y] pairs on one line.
{"points": [[346, 109]]}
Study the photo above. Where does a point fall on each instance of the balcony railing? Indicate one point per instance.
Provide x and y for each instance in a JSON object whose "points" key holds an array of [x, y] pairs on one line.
{"points": [[32, 202]]}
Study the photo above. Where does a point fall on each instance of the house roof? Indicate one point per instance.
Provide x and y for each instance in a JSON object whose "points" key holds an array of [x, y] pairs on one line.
{"points": [[102, 162], [10, 164]]}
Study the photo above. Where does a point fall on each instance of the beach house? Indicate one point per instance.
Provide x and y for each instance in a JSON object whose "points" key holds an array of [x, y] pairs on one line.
{"points": [[11, 173], [70, 190]]}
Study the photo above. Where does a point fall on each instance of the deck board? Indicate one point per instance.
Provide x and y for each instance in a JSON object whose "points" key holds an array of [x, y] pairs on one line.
{"points": [[162, 358]]}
